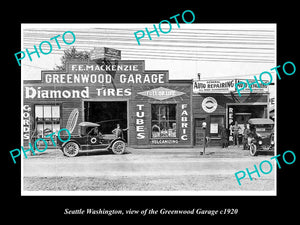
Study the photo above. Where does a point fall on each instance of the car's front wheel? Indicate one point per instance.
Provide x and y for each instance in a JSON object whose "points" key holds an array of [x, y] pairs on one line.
{"points": [[253, 149], [71, 149], [118, 147]]}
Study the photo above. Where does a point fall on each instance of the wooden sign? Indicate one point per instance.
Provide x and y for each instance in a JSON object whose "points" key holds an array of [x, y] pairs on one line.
{"points": [[105, 53]]}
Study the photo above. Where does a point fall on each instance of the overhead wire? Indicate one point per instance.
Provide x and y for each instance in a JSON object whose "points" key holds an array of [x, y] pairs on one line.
{"points": [[235, 47]]}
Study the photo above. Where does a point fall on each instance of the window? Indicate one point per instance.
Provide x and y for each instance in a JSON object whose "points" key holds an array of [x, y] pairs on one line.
{"points": [[163, 121], [47, 119], [216, 123]]}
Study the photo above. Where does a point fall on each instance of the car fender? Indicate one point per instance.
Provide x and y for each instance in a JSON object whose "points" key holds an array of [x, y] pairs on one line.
{"points": [[113, 141], [71, 140]]}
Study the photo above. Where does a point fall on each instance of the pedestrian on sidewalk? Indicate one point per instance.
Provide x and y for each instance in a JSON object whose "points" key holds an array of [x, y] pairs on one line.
{"points": [[224, 137], [245, 136], [235, 130]]}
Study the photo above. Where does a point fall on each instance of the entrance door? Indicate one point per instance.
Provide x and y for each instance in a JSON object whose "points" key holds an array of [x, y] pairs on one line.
{"points": [[199, 132], [107, 114]]}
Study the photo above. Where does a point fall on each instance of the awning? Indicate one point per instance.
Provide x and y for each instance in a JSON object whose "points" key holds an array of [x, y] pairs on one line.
{"points": [[260, 121], [88, 124]]}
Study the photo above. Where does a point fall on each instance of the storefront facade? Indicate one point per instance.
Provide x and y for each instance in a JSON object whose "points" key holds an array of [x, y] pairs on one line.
{"points": [[156, 111], [216, 103]]}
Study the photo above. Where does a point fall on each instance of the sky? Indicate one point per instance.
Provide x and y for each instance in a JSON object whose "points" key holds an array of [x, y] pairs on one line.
{"points": [[216, 51]]}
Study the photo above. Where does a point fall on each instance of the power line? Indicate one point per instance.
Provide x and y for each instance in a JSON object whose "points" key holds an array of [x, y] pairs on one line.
{"points": [[154, 44], [176, 34], [200, 39], [248, 45], [43, 68], [174, 28], [176, 49], [200, 57]]}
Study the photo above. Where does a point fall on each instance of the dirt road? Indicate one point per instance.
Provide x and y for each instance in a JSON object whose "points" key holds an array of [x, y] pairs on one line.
{"points": [[145, 170]]}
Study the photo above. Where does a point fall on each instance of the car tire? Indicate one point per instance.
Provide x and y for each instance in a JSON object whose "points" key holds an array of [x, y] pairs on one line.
{"points": [[71, 149], [253, 150], [118, 147]]}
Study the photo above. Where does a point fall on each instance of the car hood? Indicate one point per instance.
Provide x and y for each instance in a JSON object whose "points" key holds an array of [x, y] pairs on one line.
{"points": [[109, 136], [264, 134]]}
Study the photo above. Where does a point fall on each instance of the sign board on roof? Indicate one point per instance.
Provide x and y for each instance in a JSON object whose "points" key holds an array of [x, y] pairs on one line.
{"points": [[224, 86], [217, 86], [104, 52]]}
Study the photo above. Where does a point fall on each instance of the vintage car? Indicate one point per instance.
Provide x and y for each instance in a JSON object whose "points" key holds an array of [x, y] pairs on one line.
{"points": [[90, 138], [262, 133]]}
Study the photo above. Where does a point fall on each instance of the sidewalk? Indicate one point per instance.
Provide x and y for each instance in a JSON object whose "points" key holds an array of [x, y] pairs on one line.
{"points": [[210, 152]]}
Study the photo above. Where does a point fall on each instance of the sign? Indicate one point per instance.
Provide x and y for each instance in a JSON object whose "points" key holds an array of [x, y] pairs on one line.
{"points": [[216, 86], [184, 122], [140, 123], [254, 86], [124, 72], [26, 121], [161, 93], [104, 78], [230, 121], [73, 92], [209, 104], [213, 128], [122, 66], [104, 52], [164, 141], [224, 86]]}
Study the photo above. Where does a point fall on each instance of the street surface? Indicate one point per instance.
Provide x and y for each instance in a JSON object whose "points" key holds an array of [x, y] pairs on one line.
{"points": [[146, 170]]}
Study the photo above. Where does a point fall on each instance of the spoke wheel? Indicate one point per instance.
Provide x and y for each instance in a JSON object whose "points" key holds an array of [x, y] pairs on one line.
{"points": [[71, 149], [253, 150], [118, 147]]}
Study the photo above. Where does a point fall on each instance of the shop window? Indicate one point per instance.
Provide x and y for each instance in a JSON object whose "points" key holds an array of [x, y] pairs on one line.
{"points": [[163, 121], [216, 123], [47, 118]]}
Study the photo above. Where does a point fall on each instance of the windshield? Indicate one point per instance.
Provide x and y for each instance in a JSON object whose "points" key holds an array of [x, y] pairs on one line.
{"points": [[264, 127], [82, 130]]}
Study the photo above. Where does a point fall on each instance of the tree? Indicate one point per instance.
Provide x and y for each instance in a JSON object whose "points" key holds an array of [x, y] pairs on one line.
{"points": [[71, 53]]}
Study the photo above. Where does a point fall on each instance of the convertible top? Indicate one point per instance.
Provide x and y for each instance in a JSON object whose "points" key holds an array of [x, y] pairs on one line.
{"points": [[260, 121], [88, 124]]}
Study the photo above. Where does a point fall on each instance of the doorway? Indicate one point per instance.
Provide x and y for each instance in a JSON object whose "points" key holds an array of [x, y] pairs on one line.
{"points": [[199, 131], [107, 114]]}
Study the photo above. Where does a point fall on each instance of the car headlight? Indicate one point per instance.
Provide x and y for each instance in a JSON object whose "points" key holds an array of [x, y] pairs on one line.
{"points": [[272, 142], [260, 142]]}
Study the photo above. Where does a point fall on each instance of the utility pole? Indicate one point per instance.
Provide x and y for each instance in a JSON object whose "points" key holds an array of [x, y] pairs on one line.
{"points": [[204, 141]]}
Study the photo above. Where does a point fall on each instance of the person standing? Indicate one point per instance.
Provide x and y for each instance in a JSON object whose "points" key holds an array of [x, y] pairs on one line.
{"points": [[235, 130], [119, 132], [223, 137], [245, 136]]}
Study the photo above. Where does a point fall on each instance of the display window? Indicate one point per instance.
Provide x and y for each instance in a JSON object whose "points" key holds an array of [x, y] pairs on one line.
{"points": [[47, 119], [163, 121], [216, 124]]}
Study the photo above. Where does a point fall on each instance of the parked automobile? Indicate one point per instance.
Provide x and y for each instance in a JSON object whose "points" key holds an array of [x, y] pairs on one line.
{"points": [[262, 133], [91, 138]]}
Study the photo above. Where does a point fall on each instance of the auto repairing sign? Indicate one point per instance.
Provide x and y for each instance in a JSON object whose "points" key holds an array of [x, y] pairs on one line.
{"points": [[216, 86]]}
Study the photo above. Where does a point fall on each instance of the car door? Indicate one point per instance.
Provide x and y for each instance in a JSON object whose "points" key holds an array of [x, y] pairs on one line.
{"points": [[96, 142]]}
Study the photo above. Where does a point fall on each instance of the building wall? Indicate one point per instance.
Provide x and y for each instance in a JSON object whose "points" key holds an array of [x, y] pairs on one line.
{"points": [[223, 101], [141, 105], [139, 88]]}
